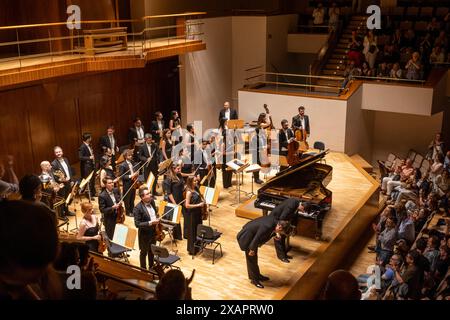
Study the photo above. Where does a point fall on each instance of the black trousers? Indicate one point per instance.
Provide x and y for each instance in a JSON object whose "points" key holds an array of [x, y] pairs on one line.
{"points": [[280, 247], [129, 200], [252, 266], [146, 253], [227, 176]]}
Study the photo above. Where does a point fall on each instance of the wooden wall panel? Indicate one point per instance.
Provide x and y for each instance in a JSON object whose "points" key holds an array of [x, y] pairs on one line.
{"points": [[34, 119]]}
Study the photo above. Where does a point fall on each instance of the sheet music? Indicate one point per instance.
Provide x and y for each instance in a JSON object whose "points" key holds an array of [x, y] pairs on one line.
{"points": [[120, 234], [150, 181], [209, 195], [236, 164], [253, 168], [174, 214]]}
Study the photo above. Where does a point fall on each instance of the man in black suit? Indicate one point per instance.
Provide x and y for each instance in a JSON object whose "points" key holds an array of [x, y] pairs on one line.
{"points": [[129, 174], [285, 135], [61, 164], [149, 151], [157, 127], [136, 133], [108, 145], [87, 161], [145, 219], [253, 235], [108, 202], [227, 112], [285, 211], [301, 121]]}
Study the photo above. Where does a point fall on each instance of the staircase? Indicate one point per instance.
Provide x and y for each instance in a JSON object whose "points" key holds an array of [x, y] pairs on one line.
{"points": [[335, 65]]}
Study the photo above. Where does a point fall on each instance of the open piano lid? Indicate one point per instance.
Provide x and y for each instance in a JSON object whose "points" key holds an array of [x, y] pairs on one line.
{"points": [[307, 161]]}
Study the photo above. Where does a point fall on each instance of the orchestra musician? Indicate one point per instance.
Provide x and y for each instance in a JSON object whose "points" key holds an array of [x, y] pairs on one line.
{"points": [[108, 145], [87, 161], [258, 145], [136, 133], [145, 219], [166, 145], [108, 203], [157, 127], [129, 175], [149, 151], [285, 211], [205, 158], [173, 186], [285, 136], [226, 143], [62, 164], [227, 112], [193, 214], [175, 127], [89, 227], [106, 170], [301, 121], [190, 142], [253, 235]]}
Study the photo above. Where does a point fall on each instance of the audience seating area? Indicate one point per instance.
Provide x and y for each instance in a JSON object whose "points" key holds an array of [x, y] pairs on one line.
{"points": [[412, 246]]}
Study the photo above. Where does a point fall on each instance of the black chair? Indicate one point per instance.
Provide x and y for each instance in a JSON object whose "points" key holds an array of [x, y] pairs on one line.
{"points": [[163, 257], [115, 250], [319, 145], [207, 236]]}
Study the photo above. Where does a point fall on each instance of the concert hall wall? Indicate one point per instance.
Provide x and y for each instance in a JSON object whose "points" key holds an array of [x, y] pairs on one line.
{"points": [[35, 118]]}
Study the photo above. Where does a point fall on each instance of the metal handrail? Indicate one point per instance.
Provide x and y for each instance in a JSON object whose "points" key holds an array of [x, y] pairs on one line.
{"points": [[299, 85], [390, 79], [296, 75]]}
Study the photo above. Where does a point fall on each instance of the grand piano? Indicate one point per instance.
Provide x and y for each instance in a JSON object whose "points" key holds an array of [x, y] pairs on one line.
{"points": [[307, 181]]}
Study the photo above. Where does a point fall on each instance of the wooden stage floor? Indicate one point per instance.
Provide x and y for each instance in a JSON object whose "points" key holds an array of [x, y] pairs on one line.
{"points": [[227, 278]]}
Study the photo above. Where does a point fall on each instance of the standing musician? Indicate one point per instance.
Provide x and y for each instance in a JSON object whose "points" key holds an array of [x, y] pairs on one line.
{"points": [[258, 145], [227, 112], [87, 161], [129, 175], [136, 133], [63, 165], [301, 121], [106, 170], [89, 227], [166, 145], [285, 135], [173, 187], [145, 219], [149, 151], [206, 162], [190, 143], [285, 211], [193, 215], [108, 203], [226, 143], [157, 127], [175, 127], [253, 235], [108, 144]]}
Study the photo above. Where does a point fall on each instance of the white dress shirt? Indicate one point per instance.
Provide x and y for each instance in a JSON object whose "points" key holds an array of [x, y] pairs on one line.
{"points": [[65, 167], [113, 144], [111, 195], [151, 212], [130, 165], [227, 114], [140, 133]]}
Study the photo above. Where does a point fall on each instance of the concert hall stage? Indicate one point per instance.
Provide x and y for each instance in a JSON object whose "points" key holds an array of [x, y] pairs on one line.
{"points": [[355, 204]]}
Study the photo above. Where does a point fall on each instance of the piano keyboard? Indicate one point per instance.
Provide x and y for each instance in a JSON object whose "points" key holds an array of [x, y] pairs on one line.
{"points": [[270, 206]]}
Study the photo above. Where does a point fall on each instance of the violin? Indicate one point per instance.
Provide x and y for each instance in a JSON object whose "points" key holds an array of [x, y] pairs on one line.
{"points": [[120, 214], [159, 233], [204, 208], [102, 243]]}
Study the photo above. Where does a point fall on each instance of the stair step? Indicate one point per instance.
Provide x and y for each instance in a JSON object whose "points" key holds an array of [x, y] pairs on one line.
{"points": [[339, 56], [333, 72], [335, 66], [342, 45], [343, 51], [337, 61]]}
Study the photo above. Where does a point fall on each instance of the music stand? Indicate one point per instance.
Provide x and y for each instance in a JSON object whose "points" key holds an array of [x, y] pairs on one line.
{"points": [[169, 221], [253, 168], [85, 182], [211, 196], [237, 166]]}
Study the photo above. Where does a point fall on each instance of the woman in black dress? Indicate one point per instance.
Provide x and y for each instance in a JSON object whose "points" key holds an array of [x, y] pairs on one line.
{"points": [[106, 171], [166, 145], [175, 127], [193, 215], [173, 186], [227, 150], [89, 227]]}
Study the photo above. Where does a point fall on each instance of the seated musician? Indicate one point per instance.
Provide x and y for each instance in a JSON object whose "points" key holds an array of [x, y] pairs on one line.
{"points": [[301, 121], [48, 179], [89, 227], [285, 135]]}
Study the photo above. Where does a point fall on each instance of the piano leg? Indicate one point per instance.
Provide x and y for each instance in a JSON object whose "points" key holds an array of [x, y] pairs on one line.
{"points": [[319, 229], [265, 212]]}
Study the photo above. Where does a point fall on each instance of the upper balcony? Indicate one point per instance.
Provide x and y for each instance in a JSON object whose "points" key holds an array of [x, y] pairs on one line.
{"points": [[36, 52]]}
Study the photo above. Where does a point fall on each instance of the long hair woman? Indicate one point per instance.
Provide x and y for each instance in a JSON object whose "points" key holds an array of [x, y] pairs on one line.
{"points": [[193, 215]]}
